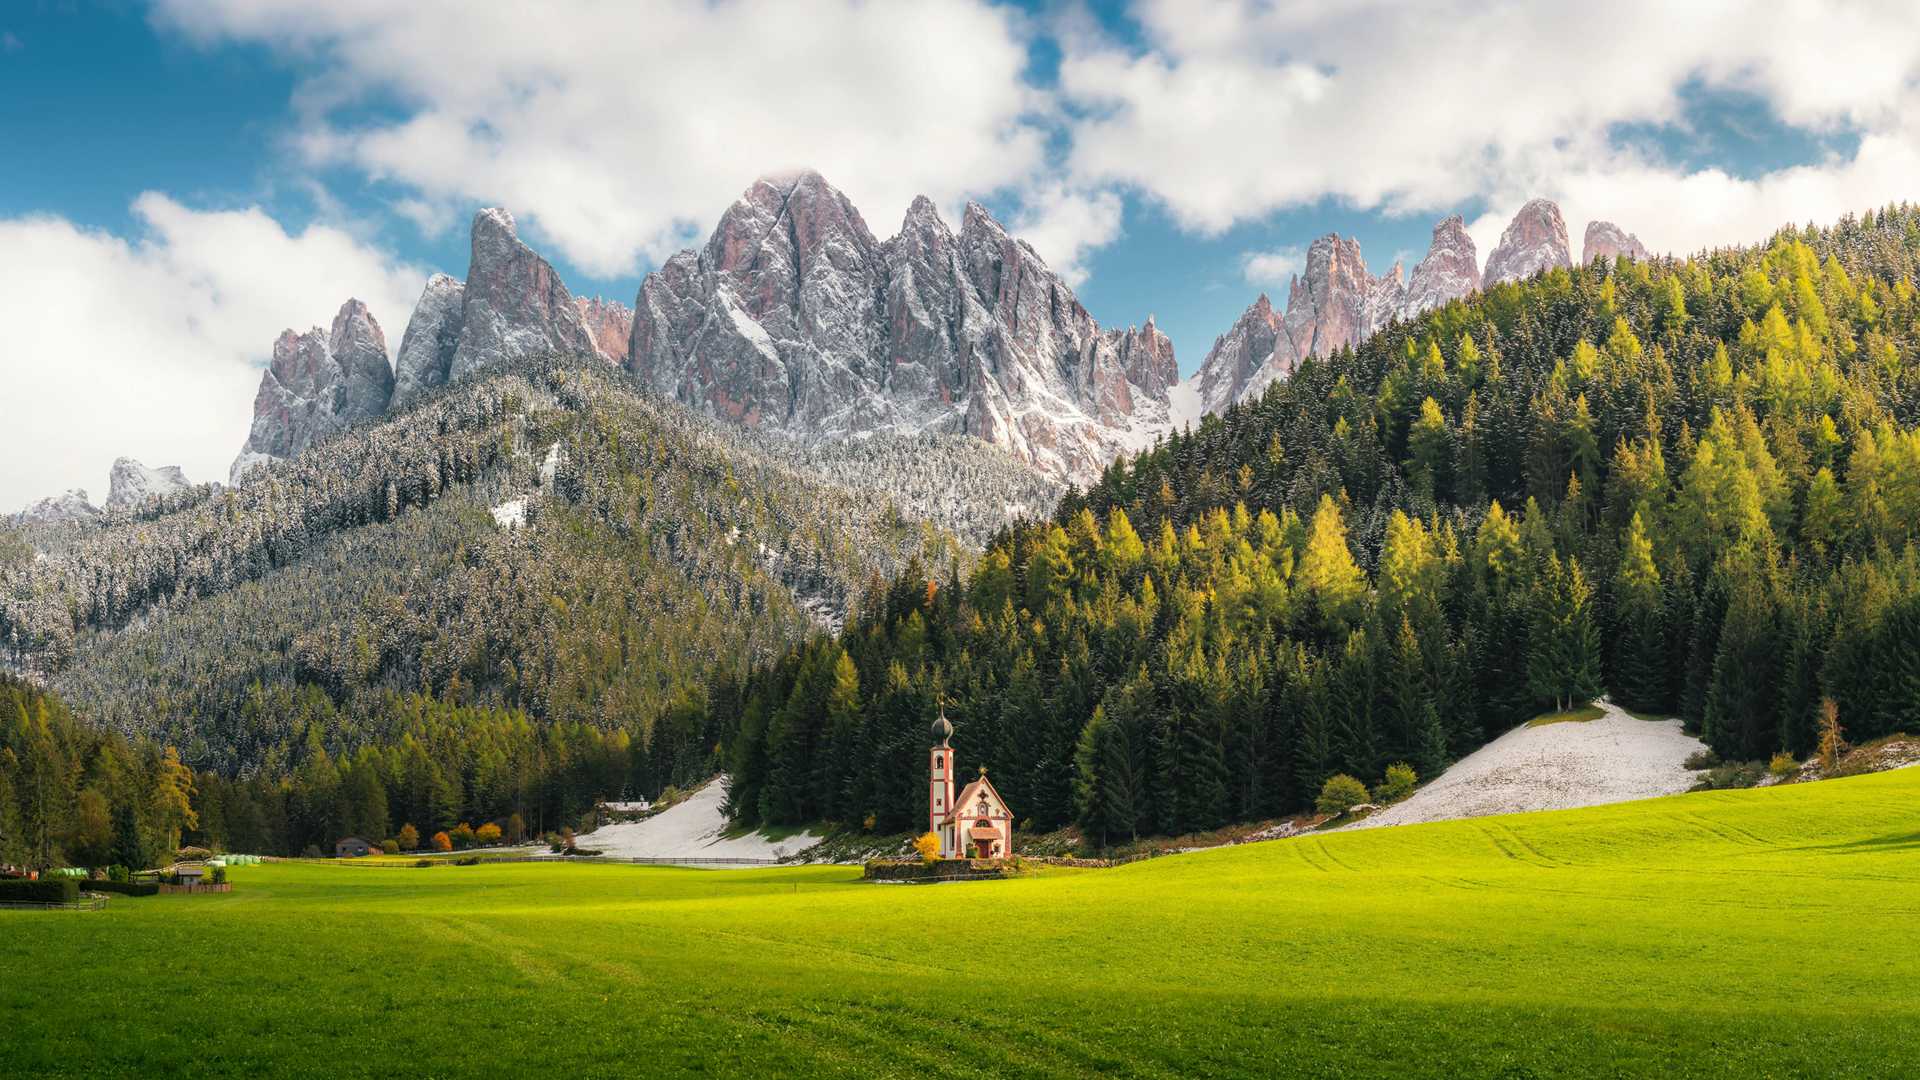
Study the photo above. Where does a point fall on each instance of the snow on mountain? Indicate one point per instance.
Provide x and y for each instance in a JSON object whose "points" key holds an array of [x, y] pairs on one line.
{"points": [[131, 482], [72, 506]]}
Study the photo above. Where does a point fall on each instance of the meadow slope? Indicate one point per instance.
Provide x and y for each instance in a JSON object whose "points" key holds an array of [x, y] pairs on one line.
{"points": [[1734, 934]]}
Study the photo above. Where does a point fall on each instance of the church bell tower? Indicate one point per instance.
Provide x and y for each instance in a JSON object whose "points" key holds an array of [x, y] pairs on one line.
{"points": [[940, 788]]}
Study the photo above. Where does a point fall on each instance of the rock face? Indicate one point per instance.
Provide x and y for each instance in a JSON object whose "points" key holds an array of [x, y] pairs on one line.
{"points": [[1605, 240], [317, 383], [1334, 302], [426, 349], [1451, 270], [794, 317], [611, 324], [132, 482], [512, 303], [1536, 240], [73, 506]]}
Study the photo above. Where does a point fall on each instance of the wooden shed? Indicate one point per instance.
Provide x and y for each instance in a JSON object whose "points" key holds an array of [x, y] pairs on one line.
{"points": [[352, 847]]}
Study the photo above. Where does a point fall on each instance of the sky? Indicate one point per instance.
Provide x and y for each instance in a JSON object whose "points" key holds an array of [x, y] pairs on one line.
{"points": [[181, 180]]}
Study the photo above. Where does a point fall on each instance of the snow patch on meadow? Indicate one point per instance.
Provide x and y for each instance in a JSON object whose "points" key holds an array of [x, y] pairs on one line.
{"points": [[691, 830], [1615, 758]]}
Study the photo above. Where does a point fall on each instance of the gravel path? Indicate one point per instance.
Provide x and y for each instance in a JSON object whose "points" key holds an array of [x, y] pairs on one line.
{"points": [[1555, 767], [690, 830]]}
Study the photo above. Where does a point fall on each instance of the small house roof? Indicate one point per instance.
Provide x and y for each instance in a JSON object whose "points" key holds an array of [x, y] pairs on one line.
{"points": [[356, 836]]}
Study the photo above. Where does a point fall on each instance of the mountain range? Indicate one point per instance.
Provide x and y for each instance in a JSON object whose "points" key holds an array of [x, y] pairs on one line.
{"points": [[794, 318]]}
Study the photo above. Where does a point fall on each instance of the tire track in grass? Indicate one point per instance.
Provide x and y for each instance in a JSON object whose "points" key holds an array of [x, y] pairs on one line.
{"points": [[500, 944], [1733, 834], [1332, 858], [1521, 842], [1300, 849]]}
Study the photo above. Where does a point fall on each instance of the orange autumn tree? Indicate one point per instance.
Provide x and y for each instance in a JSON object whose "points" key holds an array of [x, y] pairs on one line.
{"points": [[442, 842]]}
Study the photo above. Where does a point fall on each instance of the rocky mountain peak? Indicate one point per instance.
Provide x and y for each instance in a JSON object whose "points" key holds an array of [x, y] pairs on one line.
{"points": [[1605, 240], [1146, 356], [611, 324], [514, 302], [1535, 241], [793, 316], [131, 482], [72, 506], [317, 383], [1451, 270]]}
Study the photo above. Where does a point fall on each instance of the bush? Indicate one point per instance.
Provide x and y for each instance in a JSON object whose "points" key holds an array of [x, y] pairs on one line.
{"points": [[1702, 759], [488, 834], [125, 888], [44, 891], [219, 875], [119, 873], [391, 847], [1340, 794], [929, 848], [467, 860], [195, 854], [1398, 784], [409, 838], [1782, 764], [423, 862], [462, 836], [312, 852]]}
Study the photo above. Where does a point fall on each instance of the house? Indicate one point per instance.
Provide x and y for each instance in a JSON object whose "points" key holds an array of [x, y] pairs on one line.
{"points": [[192, 875], [352, 847], [973, 824]]}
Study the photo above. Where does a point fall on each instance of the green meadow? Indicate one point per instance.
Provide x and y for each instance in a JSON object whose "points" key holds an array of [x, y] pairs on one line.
{"points": [[1740, 934]]}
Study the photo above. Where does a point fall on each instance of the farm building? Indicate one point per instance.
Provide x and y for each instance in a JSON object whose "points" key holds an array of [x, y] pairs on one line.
{"points": [[352, 847]]}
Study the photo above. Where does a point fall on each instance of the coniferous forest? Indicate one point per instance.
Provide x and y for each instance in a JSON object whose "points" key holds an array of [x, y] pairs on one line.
{"points": [[1692, 484]]}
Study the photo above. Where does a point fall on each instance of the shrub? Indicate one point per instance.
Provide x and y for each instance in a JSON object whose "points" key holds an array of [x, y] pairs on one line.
{"points": [[118, 873], [409, 838], [423, 862], [219, 875], [929, 848], [195, 854], [1340, 794], [488, 834], [462, 836], [467, 860], [1398, 784], [442, 842], [125, 888], [1782, 764], [44, 891], [1702, 759], [312, 852], [391, 847]]}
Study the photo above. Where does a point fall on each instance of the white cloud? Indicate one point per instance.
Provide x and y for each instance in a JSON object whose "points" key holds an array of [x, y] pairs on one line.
{"points": [[1066, 226], [620, 131], [1233, 110], [1272, 269], [152, 347]]}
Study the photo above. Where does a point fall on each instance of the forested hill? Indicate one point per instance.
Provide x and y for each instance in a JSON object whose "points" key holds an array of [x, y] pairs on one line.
{"points": [[547, 537], [1693, 483]]}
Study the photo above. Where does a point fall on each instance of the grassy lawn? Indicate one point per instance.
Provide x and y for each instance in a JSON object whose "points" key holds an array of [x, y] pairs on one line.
{"points": [[1579, 715], [1720, 934]]}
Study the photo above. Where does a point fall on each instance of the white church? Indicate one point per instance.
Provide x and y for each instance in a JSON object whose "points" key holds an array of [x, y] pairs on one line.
{"points": [[977, 824]]}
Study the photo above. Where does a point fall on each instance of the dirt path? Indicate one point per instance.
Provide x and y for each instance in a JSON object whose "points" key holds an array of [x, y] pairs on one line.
{"points": [[1555, 767]]}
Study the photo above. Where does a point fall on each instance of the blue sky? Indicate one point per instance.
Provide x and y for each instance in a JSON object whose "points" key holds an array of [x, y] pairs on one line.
{"points": [[182, 179]]}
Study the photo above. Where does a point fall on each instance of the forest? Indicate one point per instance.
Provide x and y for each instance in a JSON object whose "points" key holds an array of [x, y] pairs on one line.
{"points": [[1691, 484]]}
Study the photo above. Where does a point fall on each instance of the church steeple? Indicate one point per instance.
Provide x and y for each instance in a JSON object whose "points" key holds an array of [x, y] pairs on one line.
{"points": [[940, 786]]}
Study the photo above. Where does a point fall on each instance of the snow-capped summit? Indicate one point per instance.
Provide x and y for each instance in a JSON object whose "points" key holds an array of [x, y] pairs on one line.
{"points": [[131, 482]]}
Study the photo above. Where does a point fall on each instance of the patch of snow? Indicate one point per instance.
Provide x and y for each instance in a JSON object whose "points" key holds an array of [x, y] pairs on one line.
{"points": [[549, 466], [1615, 758], [511, 513], [691, 830], [1184, 406]]}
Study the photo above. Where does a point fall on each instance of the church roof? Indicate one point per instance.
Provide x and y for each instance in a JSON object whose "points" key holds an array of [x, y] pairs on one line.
{"points": [[970, 795]]}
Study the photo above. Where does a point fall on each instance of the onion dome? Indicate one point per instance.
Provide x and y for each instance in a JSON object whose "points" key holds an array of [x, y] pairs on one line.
{"points": [[942, 729]]}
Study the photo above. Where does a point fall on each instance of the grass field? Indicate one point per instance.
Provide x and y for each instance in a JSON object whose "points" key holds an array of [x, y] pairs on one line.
{"points": [[1723, 934]]}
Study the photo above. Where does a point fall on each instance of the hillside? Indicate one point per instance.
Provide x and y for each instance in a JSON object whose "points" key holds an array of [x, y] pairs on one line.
{"points": [[547, 536], [1745, 933]]}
